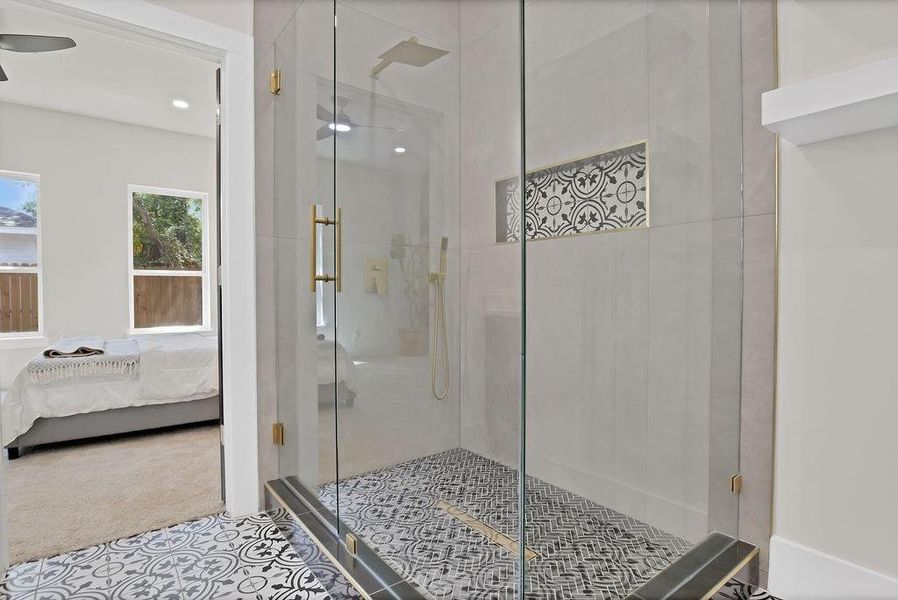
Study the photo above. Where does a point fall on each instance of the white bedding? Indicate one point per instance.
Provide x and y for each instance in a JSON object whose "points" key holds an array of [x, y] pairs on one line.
{"points": [[344, 368], [173, 368]]}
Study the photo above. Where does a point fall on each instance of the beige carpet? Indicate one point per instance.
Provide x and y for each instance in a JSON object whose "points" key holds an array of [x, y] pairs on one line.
{"points": [[73, 496]]}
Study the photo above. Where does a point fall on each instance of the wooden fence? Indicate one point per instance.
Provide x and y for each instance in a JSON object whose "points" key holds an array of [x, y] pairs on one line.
{"points": [[158, 301], [161, 300], [18, 302]]}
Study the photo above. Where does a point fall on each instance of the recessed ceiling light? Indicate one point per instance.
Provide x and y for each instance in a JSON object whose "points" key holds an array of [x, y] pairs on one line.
{"points": [[341, 127], [180, 104], [399, 150]]}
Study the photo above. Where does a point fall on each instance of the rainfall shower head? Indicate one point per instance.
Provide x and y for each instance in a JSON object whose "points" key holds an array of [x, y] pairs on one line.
{"points": [[409, 52]]}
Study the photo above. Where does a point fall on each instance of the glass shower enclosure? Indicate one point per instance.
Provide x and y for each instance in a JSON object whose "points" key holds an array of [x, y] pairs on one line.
{"points": [[508, 275]]}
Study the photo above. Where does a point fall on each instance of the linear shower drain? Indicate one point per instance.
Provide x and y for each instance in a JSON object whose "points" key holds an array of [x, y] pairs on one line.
{"points": [[497, 537]]}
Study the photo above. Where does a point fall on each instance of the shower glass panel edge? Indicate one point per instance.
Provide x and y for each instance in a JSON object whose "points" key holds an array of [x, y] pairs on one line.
{"points": [[304, 316]]}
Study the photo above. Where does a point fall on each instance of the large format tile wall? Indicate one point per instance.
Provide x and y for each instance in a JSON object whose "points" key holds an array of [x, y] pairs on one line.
{"points": [[759, 265], [632, 337]]}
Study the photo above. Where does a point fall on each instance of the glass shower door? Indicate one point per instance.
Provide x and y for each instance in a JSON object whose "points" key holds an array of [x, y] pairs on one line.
{"points": [[408, 486], [394, 187], [304, 250]]}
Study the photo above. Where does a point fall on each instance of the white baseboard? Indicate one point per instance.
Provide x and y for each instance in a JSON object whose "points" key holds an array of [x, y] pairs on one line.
{"points": [[801, 573]]}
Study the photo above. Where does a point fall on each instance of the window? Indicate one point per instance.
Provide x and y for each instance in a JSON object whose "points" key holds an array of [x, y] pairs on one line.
{"points": [[169, 260], [20, 273]]}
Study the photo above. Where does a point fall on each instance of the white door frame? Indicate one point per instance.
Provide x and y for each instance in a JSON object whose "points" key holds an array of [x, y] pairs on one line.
{"points": [[149, 23]]}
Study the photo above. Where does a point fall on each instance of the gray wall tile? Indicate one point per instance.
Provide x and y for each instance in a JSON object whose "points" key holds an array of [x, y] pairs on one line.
{"points": [[758, 351], [757, 381]]}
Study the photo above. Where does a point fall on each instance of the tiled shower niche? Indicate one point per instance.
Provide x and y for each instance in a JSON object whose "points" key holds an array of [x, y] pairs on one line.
{"points": [[603, 192]]}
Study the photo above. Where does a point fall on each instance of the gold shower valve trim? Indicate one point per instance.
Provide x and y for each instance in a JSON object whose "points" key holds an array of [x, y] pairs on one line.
{"points": [[497, 537]]}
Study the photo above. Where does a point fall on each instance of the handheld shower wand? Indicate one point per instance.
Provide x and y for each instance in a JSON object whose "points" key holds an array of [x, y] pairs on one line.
{"points": [[440, 347]]}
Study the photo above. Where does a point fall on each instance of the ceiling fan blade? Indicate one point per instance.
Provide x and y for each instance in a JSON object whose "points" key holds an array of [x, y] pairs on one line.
{"points": [[34, 43], [380, 127], [3, 76], [324, 114], [324, 132]]}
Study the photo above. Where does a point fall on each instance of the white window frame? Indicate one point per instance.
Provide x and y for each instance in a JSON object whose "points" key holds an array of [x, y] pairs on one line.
{"points": [[29, 337], [205, 272]]}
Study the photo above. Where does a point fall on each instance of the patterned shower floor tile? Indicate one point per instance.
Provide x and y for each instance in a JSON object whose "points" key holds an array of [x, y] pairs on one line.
{"points": [[212, 557], [585, 550]]}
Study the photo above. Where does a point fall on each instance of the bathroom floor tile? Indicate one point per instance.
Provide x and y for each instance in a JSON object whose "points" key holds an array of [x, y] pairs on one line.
{"points": [[736, 590], [585, 550], [209, 558], [311, 554], [274, 569], [21, 581]]}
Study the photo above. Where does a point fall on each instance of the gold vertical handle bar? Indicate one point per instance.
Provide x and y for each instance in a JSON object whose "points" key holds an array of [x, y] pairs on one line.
{"points": [[313, 249], [338, 251]]}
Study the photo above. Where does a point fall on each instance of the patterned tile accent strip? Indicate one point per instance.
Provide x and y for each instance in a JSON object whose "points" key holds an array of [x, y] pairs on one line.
{"points": [[212, 557], [604, 192]]}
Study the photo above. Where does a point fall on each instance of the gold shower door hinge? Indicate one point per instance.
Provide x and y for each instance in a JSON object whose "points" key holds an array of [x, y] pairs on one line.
{"points": [[277, 434], [274, 82], [352, 543], [736, 483]]}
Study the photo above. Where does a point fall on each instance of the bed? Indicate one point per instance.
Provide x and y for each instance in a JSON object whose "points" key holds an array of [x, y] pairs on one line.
{"points": [[174, 382], [334, 377]]}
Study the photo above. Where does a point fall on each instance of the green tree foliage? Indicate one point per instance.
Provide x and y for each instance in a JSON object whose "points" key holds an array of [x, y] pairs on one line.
{"points": [[30, 207], [168, 232]]}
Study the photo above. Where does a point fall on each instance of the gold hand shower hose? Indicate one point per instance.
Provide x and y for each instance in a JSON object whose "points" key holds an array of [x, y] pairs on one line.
{"points": [[440, 346]]}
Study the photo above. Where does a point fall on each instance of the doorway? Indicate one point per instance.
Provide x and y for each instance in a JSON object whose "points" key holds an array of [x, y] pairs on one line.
{"points": [[160, 31]]}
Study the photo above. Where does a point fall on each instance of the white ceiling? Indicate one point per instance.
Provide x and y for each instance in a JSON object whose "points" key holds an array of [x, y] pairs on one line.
{"points": [[106, 76], [385, 124]]}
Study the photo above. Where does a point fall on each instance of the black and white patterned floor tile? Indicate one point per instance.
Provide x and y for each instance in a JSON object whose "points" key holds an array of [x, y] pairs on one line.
{"points": [[209, 558], [736, 590], [586, 550], [327, 573]]}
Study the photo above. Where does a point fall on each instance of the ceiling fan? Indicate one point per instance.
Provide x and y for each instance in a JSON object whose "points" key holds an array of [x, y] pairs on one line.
{"points": [[341, 123], [32, 43]]}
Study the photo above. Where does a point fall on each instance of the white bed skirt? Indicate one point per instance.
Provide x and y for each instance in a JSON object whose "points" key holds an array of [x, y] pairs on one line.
{"points": [[173, 368]]}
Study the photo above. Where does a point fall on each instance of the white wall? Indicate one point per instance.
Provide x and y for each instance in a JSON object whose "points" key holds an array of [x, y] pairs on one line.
{"points": [[837, 393], [85, 165], [231, 14]]}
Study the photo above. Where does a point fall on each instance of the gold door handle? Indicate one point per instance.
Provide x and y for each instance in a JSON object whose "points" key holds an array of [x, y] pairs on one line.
{"points": [[338, 251], [313, 249]]}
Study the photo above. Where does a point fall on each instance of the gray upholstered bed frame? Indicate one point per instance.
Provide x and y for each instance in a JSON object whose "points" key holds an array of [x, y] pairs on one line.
{"points": [[115, 421]]}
